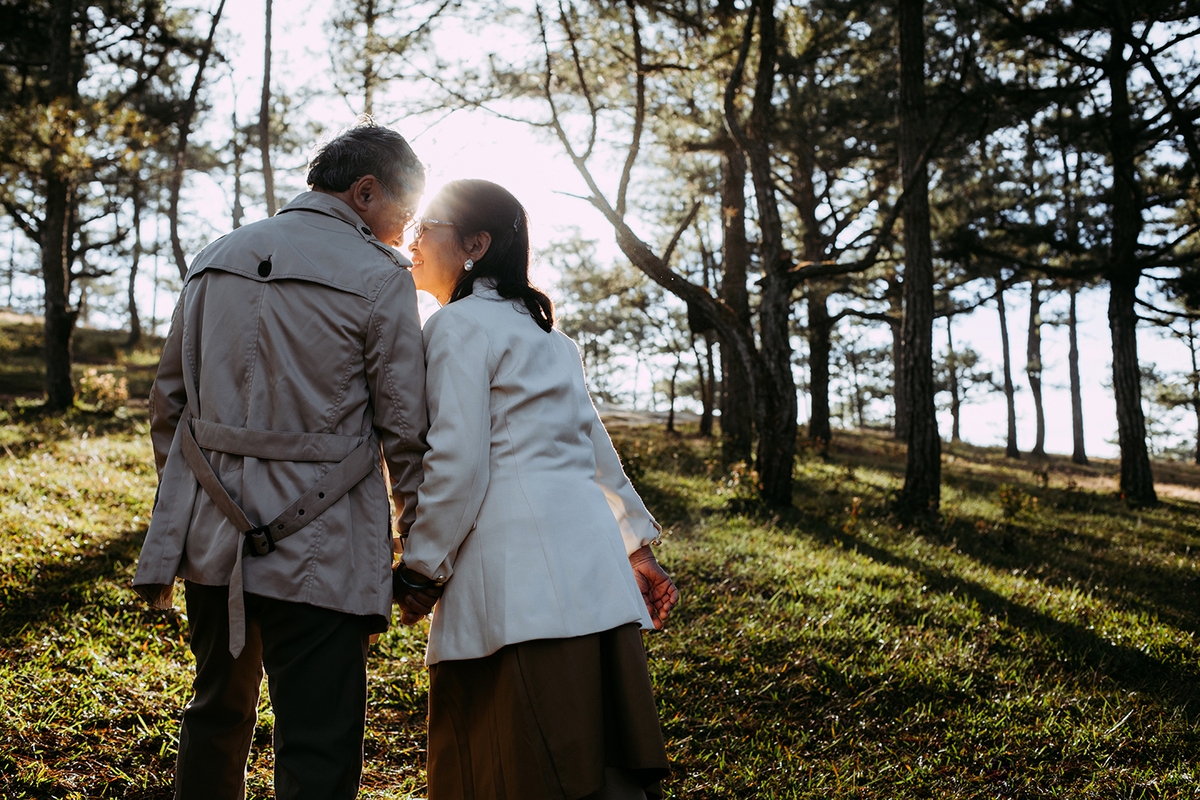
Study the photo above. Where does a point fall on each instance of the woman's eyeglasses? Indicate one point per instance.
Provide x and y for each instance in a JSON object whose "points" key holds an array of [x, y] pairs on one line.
{"points": [[425, 223]]}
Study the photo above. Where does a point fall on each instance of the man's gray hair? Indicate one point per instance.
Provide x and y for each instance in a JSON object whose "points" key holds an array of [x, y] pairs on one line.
{"points": [[367, 148]]}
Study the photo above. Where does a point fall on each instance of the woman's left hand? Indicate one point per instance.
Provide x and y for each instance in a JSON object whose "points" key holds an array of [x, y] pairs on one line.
{"points": [[657, 588]]}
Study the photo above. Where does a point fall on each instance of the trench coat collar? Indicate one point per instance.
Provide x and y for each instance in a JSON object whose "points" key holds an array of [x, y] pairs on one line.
{"points": [[330, 206]]}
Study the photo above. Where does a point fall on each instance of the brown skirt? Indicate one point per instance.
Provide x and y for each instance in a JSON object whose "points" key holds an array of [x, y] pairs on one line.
{"points": [[543, 719]]}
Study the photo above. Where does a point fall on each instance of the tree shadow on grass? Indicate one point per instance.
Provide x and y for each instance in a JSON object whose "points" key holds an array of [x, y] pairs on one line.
{"points": [[1066, 559], [1062, 547], [1126, 666], [63, 585]]}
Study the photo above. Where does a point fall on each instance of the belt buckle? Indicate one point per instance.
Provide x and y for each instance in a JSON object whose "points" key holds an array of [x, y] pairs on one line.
{"points": [[259, 541]]}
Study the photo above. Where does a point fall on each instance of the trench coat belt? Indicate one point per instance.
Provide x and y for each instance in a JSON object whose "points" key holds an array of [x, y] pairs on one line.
{"points": [[356, 457]]}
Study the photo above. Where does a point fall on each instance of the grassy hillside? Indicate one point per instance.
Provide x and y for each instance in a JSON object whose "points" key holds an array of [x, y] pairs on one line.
{"points": [[1040, 643]]}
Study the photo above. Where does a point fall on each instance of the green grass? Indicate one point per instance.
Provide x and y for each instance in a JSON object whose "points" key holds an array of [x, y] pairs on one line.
{"points": [[1040, 642]]}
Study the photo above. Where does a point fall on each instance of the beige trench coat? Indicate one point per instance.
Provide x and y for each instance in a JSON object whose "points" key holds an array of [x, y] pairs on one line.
{"points": [[302, 323]]}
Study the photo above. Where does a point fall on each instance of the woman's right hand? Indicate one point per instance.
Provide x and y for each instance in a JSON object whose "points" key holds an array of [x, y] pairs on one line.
{"points": [[658, 590]]}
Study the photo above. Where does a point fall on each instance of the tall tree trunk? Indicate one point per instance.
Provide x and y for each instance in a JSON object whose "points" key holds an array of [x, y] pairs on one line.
{"points": [[921, 494], [1010, 391], [187, 115], [860, 404], [60, 318], [1137, 480], [737, 407], [369, 77], [705, 372], [820, 327], [135, 322], [1078, 451], [239, 152], [1033, 364], [776, 417], [820, 324], [952, 370], [1195, 381], [671, 389], [895, 298], [264, 120], [55, 231]]}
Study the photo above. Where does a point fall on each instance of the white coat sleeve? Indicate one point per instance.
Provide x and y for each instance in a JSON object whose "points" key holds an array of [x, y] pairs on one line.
{"points": [[638, 528], [458, 370]]}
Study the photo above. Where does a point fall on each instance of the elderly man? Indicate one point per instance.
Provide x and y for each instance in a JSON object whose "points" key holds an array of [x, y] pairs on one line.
{"points": [[294, 361]]}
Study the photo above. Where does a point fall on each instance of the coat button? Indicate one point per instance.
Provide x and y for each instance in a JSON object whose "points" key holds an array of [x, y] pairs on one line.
{"points": [[366, 230], [264, 268]]}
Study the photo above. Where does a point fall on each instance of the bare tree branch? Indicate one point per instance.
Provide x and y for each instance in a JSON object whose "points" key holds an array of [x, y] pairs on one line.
{"points": [[639, 111], [691, 215], [583, 81], [23, 219]]}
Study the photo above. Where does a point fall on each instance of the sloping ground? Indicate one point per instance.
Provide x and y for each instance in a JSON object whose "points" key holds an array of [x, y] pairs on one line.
{"points": [[1041, 641]]}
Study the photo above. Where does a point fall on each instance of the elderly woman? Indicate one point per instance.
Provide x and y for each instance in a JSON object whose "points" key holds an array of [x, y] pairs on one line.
{"points": [[538, 679]]}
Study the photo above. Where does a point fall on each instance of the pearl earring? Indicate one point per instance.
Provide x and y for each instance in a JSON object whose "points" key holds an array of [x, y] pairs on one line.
{"points": [[469, 264]]}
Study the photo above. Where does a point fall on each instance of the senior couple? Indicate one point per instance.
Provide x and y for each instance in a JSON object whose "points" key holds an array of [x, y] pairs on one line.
{"points": [[296, 389]]}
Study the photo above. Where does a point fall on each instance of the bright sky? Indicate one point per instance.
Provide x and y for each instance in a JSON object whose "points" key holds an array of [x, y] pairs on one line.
{"points": [[478, 145]]}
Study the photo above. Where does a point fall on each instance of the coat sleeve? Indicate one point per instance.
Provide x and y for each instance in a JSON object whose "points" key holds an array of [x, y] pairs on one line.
{"points": [[638, 527], [168, 395], [459, 366], [394, 360]]}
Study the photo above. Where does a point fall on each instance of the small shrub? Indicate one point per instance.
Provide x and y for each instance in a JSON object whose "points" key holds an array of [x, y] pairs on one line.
{"points": [[104, 391], [1014, 500]]}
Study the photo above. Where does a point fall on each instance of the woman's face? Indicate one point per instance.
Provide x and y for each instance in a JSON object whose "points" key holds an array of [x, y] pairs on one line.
{"points": [[437, 256]]}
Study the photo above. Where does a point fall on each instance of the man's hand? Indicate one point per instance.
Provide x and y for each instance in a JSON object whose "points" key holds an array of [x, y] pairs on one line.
{"points": [[657, 588], [415, 593]]}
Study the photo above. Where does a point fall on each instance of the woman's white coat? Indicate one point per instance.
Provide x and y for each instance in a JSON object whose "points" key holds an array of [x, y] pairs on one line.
{"points": [[524, 507]]}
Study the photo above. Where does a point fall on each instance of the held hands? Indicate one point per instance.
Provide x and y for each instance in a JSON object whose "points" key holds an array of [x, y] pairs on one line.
{"points": [[657, 588], [415, 593]]}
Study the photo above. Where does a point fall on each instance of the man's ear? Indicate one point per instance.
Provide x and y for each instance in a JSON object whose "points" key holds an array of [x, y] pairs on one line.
{"points": [[362, 191], [477, 245]]}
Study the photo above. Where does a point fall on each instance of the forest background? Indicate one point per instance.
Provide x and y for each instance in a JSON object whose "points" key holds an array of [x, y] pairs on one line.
{"points": [[724, 194], [889, 221]]}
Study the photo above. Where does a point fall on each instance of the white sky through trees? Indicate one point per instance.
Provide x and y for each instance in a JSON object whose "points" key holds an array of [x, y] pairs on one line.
{"points": [[477, 145]]}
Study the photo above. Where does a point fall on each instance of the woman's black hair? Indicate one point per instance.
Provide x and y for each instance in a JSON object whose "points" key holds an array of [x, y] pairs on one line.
{"points": [[475, 206]]}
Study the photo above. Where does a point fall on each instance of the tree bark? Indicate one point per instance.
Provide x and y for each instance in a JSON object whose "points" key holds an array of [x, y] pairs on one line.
{"points": [[135, 322], [239, 153], [921, 494], [706, 371], [1033, 365], [895, 298], [1078, 451], [737, 407], [369, 77], [776, 417], [820, 327], [1137, 480], [671, 390], [264, 120], [952, 370], [60, 318], [55, 230], [1010, 391]]}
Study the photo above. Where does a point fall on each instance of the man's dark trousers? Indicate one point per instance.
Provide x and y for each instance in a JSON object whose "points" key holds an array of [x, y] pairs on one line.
{"points": [[315, 660]]}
